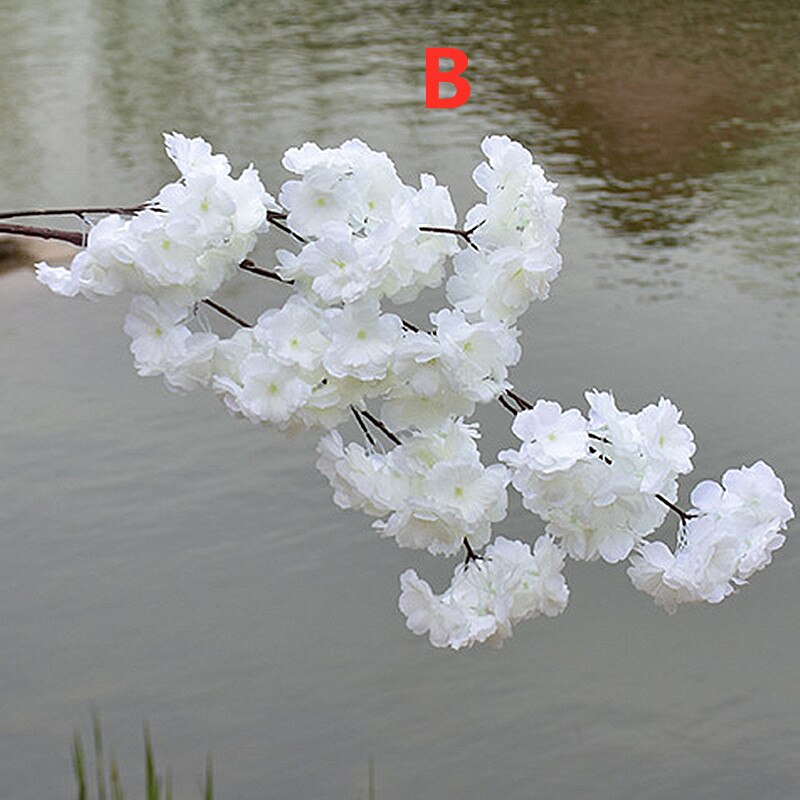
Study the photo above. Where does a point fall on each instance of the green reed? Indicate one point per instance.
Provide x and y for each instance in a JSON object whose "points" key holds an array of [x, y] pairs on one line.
{"points": [[106, 772], [107, 784]]}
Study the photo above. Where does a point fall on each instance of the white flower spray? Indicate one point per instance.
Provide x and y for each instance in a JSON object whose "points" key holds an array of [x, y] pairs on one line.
{"points": [[602, 484]]}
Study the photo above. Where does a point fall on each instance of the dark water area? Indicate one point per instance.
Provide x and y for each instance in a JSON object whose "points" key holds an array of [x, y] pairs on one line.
{"points": [[168, 563]]}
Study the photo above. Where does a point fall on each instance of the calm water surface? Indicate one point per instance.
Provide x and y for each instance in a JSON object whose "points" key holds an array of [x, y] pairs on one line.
{"points": [[171, 564]]}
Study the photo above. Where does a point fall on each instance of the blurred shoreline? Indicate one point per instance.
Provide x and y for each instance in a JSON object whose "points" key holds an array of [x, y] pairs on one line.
{"points": [[22, 252]]}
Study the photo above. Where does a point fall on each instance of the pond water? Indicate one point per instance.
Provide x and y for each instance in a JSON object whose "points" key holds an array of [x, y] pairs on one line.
{"points": [[168, 563]]}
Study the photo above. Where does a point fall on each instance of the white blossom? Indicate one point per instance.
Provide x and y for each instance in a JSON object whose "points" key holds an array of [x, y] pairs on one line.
{"points": [[751, 504], [362, 341], [270, 391], [591, 482], [730, 534], [194, 156], [294, 334], [516, 231], [104, 267], [351, 184], [668, 444], [653, 571], [433, 488], [181, 248], [553, 440], [486, 598], [163, 345]]}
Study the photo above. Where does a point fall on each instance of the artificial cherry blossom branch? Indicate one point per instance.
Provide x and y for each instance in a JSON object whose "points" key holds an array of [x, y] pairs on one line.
{"points": [[75, 237], [331, 347]]}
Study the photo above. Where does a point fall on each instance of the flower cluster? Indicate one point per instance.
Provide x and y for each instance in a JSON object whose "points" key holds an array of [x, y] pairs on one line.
{"points": [[184, 245], [601, 484], [164, 345], [364, 225], [516, 233], [596, 482], [446, 372], [730, 533], [485, 599], [433, 487]]}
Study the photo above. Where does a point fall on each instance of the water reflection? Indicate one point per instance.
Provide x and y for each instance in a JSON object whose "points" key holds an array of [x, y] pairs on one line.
{"points": [[645, 91], [652, 107], [664, 122]]}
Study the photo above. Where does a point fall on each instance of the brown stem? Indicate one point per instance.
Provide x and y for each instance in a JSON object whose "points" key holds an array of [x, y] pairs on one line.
{"points": [[392, 437], [78, 212], [276, 218], [524, 404], [73, 237], [363, 425], [471, 554], [684, 515], [506, 405], [466, 235], [225, 313], [248, 266]]}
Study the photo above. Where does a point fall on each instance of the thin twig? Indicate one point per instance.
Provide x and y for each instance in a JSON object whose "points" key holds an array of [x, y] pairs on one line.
{"points": [[524, 404], [276, 218], [503, 402], [684, 515], [392, 437], [471, 554], [466, 235], [225, 313], [73, 237], [77, 212], [602, 456], [363, 425], [248, 266]]}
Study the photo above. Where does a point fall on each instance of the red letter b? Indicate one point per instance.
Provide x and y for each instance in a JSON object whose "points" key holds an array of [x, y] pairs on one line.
{"points": [[433, 77]]}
